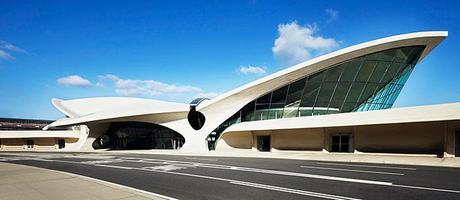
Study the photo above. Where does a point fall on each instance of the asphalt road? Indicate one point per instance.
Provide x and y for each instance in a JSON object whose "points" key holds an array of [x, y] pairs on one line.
{"points": [[191, 177]]}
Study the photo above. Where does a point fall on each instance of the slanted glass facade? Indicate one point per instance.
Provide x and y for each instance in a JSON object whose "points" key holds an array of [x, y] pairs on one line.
{"points": [[370, 82]]}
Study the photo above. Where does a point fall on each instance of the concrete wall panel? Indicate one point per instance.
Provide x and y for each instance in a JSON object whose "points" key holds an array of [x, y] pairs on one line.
{"points": [[426, 138], [298, 139], [237, 140]]}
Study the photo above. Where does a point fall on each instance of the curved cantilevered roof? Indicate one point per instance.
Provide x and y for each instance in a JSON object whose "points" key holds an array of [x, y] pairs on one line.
{"points": [[225, 105], [103, 108], [229, 103]]}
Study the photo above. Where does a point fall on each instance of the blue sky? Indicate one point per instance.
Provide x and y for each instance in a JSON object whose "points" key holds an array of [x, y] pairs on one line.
{"points": [[177, 50]]}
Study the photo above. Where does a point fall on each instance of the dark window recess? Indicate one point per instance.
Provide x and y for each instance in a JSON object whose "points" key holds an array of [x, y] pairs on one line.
{"points": [[61, 143], [457, 143], [263, 143], [340, 143], [30, 144]]}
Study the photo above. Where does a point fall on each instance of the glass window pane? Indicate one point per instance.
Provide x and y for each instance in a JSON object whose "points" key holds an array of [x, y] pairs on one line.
{"points": [[295, 91], [276, 111], [264, 99], [339, 95], [351, 69], [403, 54], [392, 72], [415, 54], [355, 91], [333, 73], [292, 111], [368, 92], [325, 94], [247, 112], [366, 70], [309, 96], [382, 56], [279, 95], [348, 107], [305, 112], [293, 98], [379, 71], [261, 112], [317, 77]]}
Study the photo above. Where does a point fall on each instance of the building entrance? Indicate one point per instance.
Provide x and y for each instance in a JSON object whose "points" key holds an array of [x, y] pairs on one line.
{"points": [[263, 143], [138, 135], [340, 143]]}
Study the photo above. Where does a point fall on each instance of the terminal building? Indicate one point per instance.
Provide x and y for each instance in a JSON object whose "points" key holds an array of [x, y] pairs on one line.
{"points": [[339, 102]]}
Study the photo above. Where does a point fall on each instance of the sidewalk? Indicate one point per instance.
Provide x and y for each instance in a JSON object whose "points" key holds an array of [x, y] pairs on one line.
{"points": [[24, 182]]}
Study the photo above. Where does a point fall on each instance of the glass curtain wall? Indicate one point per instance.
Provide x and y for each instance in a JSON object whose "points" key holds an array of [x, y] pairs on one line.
{"points": [[370, 82]]}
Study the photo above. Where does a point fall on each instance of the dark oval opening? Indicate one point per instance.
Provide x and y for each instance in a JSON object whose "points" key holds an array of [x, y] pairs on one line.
{"points": [[196, 119]]}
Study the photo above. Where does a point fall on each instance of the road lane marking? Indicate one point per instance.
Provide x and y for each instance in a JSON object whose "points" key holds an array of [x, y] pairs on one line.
{"points": [[205, 159], [294, 191], [261, 186], [265, 171], [233, 167], [166, 167], [427, 188], [368, 166], [353, 170], [111, 166]]}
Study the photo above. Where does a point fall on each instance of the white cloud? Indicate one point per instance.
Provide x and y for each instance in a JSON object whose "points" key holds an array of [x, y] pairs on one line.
{"points": [[209, 95], [127, 87], [10, 47], [251, 70], [7, 48], [332, 15], [74, 80], [297, 43], [5, 55]]}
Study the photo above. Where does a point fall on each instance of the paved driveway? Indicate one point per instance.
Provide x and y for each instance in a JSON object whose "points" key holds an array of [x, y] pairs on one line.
{"points": [[192, 177]]}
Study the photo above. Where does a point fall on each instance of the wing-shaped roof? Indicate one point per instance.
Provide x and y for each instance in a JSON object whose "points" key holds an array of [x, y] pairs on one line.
{"points": [[102, 108], [230, 102], [93, 109]]}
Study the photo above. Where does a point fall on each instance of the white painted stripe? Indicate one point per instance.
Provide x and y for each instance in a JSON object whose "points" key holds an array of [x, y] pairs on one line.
{"points": [[257, 170], [205, 159], [369, 166], [294, 191], [262, 186], [112, 166], [227, 167], [332, 178], [353, 170], [426, 188]]}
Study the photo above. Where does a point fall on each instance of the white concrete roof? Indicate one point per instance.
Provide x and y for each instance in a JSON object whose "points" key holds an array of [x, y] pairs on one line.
{"points": [[39, 134], [220, 108], [102, 108], [430, 39], [217, 110], [440, 112]]}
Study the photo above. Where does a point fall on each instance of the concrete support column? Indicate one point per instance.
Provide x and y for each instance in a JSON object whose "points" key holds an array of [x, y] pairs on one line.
{"points": [[325, 141]]}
